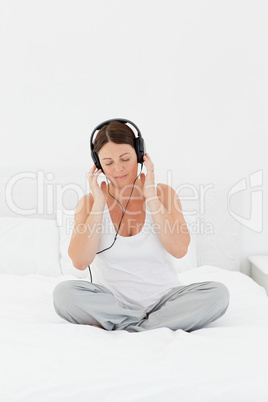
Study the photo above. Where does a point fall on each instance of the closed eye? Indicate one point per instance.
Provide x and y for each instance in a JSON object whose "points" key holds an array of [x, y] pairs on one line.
{"points": [[123, 160]]}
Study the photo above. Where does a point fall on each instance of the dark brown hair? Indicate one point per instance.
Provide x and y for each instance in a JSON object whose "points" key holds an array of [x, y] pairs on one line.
{"points": [[116, 132]]}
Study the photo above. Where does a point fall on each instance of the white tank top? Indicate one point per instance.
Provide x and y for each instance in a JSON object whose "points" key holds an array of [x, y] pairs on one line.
{"points": [[136, 269]]}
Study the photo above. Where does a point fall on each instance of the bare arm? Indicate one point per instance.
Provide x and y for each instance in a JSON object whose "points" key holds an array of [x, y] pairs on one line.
{"points": [[86, 232], [87, 223], [171, 227], [167, 213]]}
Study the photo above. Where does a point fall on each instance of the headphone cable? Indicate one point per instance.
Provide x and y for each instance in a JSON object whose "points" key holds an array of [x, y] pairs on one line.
{"points": [[124, 211]]}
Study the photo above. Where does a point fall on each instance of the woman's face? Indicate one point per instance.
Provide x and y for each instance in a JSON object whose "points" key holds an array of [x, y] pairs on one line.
{"points": [[119, 163]]}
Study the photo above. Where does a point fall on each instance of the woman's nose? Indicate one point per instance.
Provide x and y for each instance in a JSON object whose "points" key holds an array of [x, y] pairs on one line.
{"points": [[118, 167]]}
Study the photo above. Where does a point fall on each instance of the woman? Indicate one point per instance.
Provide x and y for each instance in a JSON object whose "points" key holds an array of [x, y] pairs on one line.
{"points": [[128, 229]]}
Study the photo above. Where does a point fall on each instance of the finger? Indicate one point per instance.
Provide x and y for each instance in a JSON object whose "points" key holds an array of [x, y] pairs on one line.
{"points": [[92, 170], [147, 156], [147, 160], [93, 176], [149, 166], [96, 174]]}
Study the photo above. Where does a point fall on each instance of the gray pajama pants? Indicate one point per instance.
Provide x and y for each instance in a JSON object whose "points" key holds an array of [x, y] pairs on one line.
{"points": [[187, 307]]}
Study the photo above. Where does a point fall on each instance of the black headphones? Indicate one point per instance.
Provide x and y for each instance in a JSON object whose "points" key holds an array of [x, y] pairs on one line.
{"points": [[139, 142]]}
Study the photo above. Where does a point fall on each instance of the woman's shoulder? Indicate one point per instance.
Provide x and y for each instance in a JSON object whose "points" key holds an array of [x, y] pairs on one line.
{"points": [[165, 189], [167, 195]]}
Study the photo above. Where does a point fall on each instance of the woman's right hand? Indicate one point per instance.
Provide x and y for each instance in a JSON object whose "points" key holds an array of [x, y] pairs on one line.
{"points": [[99, 192]]}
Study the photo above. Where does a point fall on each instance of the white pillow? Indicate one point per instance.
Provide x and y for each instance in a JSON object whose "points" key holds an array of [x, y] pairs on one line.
{"points": [[29, 246], [65, 223], [189, 261]]}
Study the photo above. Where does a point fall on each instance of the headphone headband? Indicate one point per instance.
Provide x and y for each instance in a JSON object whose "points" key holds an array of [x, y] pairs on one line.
{"points": [[139, 142], [99, 126]]}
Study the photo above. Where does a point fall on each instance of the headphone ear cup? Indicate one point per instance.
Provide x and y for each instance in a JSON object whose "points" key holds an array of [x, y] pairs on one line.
{"points": [[140, 149], [96, 160]]}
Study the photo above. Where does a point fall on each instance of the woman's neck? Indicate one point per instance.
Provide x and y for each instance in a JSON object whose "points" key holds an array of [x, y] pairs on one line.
{"points": [[122, 194]]}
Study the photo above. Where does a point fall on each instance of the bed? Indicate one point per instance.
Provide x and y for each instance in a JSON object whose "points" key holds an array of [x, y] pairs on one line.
{"points": [[44, 358]]}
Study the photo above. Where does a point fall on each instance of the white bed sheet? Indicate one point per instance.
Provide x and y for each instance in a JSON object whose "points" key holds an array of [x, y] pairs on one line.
{"points": [[44, 358]]}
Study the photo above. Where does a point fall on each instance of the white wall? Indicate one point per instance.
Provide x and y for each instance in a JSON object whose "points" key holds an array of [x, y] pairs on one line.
{"points": [[193, 75]]}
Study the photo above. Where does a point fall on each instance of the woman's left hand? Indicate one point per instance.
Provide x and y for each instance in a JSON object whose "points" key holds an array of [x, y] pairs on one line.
{"points": [[148, 179]]}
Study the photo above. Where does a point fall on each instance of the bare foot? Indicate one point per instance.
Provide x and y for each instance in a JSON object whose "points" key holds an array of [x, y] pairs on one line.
{"points": [[97, 326]]}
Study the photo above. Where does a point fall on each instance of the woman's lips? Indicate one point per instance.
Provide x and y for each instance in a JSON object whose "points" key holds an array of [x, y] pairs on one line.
{"points": [[121, 177]]}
